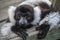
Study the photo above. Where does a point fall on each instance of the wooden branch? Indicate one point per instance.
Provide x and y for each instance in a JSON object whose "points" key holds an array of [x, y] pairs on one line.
{"points": [[33, 33]]}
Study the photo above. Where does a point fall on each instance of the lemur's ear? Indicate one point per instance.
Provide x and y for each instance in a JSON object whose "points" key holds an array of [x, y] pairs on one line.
{"points": [[11, 12]]}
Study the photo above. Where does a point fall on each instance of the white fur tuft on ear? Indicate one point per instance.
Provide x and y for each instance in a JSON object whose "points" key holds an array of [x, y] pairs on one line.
{"points": [[11, 13]]}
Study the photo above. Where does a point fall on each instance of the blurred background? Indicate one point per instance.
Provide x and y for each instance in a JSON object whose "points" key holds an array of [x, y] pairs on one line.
{"points": [[4, 4]]}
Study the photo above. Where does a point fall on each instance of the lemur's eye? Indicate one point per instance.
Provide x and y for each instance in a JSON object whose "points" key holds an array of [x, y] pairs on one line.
{"points": [[17, 16], [29, 17]]}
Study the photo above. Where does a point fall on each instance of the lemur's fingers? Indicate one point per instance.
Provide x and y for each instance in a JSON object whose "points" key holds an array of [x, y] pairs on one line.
{"points": [[22, 31], [22, 34], [24, 37]]}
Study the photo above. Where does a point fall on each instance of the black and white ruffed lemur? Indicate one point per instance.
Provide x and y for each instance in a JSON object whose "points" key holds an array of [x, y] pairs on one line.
{"points": [[31, 13]]}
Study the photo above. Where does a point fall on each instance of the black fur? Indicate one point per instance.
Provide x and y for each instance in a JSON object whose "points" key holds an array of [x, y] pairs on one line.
{"points": [[43, 30], [45, 9], [19, 31], [24, 11]]}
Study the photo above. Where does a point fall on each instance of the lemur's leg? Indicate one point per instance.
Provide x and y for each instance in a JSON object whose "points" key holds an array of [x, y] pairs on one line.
{"points": [[43, 30]]}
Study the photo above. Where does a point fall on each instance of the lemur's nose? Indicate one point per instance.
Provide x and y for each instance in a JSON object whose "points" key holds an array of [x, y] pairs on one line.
{"points": [[23, 21]]}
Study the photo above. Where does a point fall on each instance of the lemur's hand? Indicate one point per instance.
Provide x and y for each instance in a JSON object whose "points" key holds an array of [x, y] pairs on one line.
{"points": [[20, 32], [23, 34], [43, 30]]}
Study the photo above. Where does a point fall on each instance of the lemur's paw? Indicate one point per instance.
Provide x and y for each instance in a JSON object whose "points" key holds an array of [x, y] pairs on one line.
{"points": [[41, 36], [24, 36]]}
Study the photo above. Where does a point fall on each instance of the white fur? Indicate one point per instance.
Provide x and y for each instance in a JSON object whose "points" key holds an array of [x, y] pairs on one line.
{"points": [[28, 2], [11, 13], [6, 28], [37, 13], [42, 21], [7, 33], [53, 19], [36, 2]]}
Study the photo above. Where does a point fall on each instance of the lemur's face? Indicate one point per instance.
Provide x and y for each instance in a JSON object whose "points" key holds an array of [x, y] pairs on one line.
{"points": [[24, 15]]}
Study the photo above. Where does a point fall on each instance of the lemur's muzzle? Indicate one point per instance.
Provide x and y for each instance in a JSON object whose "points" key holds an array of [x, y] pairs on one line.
{"points": [[23, 21]]}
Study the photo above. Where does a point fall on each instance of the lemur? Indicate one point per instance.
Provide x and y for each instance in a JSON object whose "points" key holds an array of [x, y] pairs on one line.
{"points": [[31, 13]]}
